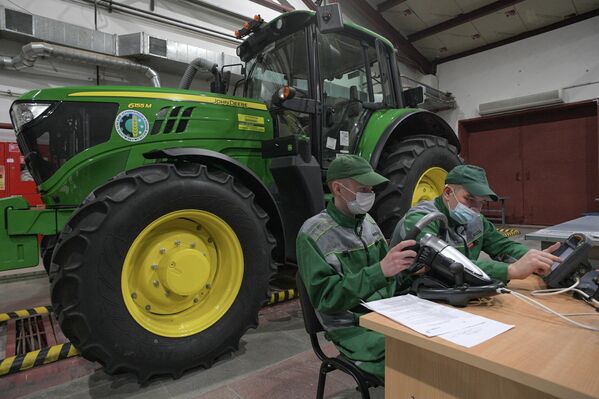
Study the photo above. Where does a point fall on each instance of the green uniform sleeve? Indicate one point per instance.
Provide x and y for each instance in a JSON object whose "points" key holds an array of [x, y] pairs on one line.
{"points": [[495, 245], [329, 291]]}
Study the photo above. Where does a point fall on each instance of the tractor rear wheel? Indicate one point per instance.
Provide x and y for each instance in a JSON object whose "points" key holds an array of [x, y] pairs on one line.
{"points": [[417, 166], [163, 269]]}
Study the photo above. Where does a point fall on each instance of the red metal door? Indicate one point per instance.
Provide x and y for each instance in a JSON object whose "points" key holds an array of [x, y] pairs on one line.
{"points": [[495, 146], [559, 163]]}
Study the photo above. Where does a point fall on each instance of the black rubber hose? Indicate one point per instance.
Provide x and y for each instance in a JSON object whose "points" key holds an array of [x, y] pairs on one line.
{"points": [[192, 68]]}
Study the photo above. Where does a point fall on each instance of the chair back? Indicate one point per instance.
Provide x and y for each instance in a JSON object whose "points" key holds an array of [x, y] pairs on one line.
{"points": [[311, 322]]}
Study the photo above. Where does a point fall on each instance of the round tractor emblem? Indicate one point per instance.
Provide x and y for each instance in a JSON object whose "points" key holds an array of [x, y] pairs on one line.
{"points": [[132, 125]]}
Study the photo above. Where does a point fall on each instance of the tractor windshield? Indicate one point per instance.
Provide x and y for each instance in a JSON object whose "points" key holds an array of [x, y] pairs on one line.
{"points": [[283, 62], [354, 70], [280, 63]]}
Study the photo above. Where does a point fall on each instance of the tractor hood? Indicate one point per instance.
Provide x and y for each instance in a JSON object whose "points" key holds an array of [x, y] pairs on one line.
{"points": [[60, 130]]}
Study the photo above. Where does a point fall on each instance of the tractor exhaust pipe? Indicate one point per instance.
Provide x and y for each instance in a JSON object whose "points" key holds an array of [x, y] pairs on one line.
{"points": [[32, 51]]}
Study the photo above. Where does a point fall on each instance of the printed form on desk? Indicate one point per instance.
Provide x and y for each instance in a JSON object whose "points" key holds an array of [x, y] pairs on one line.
{"points": [[436, 320]]}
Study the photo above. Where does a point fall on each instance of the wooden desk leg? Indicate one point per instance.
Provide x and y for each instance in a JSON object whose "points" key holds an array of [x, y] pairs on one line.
{"points": [[415, 373]]}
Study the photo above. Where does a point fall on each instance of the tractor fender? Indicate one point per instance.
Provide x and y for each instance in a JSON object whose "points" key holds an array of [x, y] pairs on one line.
{"points": [[414, 123], [264, 197]]}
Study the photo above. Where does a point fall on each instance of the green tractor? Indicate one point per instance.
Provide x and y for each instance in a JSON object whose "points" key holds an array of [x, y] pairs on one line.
{"points": [[168, 211]]}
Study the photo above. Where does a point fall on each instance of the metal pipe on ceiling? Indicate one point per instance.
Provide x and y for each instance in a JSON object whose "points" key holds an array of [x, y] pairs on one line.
{"points": [[229, 13], [32, 51], [127, 9]]}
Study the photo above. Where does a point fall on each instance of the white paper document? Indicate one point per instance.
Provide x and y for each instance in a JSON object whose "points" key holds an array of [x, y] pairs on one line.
{"points": [[477, 333], [433, 319]]}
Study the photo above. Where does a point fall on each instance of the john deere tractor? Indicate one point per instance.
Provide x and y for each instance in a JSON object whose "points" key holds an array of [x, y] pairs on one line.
{"points": [[167, 211]]}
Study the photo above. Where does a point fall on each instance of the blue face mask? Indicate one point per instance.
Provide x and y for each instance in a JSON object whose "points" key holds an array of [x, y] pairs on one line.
{"points": [[461, 213]]}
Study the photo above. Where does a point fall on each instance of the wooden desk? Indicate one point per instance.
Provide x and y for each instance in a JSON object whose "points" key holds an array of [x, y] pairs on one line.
{"points": [[541, 357]]}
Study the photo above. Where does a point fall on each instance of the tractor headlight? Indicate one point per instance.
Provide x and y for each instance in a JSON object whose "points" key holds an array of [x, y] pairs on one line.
{"points": [[23, 113]]}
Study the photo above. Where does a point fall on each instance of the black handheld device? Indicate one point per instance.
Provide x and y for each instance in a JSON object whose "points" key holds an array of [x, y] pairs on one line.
{"points": [[574, 253]]}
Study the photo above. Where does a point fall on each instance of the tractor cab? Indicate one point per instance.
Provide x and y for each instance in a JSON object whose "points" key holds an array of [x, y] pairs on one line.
{"points": [[336, 80]]}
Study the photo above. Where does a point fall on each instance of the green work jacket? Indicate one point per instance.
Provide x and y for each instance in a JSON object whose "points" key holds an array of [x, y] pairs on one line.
{"points": [[338, 259], [471, 239]]}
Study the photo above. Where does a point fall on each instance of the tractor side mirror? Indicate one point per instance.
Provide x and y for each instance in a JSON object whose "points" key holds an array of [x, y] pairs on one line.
{"points": [[329, 18], [284, 93], [413, 97]]}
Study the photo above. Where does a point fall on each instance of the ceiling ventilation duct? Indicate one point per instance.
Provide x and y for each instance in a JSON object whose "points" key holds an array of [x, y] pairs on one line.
{"points": [[159, 53], [169, 54], [31, 52], [25, 27], [520, 103]]}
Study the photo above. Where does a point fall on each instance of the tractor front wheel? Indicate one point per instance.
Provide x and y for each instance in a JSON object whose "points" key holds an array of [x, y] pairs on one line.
{"points": [[163, 269]]}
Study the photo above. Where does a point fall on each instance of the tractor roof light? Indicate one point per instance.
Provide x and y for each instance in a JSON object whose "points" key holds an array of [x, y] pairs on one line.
{"points": [[249, 27], [23, 113]]}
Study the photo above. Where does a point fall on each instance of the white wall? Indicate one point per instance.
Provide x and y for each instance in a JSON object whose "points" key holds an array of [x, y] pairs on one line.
{"points": [[53, 73], [559, 59]]}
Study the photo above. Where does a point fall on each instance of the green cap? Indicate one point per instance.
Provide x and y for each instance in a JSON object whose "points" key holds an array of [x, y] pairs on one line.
{"points": [[354, 167], [473, 178]]}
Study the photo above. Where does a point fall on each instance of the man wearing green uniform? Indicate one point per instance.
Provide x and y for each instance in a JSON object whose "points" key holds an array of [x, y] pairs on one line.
{"points": [[466, 190], [343, 260]]}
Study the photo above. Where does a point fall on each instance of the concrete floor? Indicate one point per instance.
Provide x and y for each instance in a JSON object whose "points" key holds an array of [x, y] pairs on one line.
{"points": [[274, 361]]}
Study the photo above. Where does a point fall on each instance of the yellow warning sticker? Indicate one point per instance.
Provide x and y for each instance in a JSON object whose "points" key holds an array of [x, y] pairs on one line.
{"points": [[253, 128], [257, 120]]}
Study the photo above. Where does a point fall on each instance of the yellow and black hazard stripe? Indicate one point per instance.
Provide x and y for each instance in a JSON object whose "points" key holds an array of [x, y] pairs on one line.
{"points": [[19, 314], [281, 296], [29, 360], [509, 232]]}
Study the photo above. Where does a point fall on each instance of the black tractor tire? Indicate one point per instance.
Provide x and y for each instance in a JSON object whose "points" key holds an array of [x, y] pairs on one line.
{"points": [[88, 262], [46, 249], [403, 163]]}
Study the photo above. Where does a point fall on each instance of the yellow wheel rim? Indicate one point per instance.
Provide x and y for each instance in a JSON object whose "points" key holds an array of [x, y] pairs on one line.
{"points": [[430, 185], [182, 273]]}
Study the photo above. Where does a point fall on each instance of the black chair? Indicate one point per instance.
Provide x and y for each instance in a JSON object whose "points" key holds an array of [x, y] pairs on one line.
{"points": [[363, 379]]}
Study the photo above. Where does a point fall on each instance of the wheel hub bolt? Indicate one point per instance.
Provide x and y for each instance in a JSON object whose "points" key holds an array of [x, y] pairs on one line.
{"points": [[156, 283], [148, 307], [162, 251], [167, 293], [177, 243], [192, 245], [154, 267], [134, 295], [210, 239], [208, 286], [196, 300]]}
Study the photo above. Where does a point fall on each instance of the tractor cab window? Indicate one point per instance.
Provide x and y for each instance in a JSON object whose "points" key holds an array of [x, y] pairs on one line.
{"points": [[283, 62], [350, 76]]}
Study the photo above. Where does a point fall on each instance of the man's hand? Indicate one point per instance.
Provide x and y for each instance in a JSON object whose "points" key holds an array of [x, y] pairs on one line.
{"points": [[398, 258], [534, 261]]}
